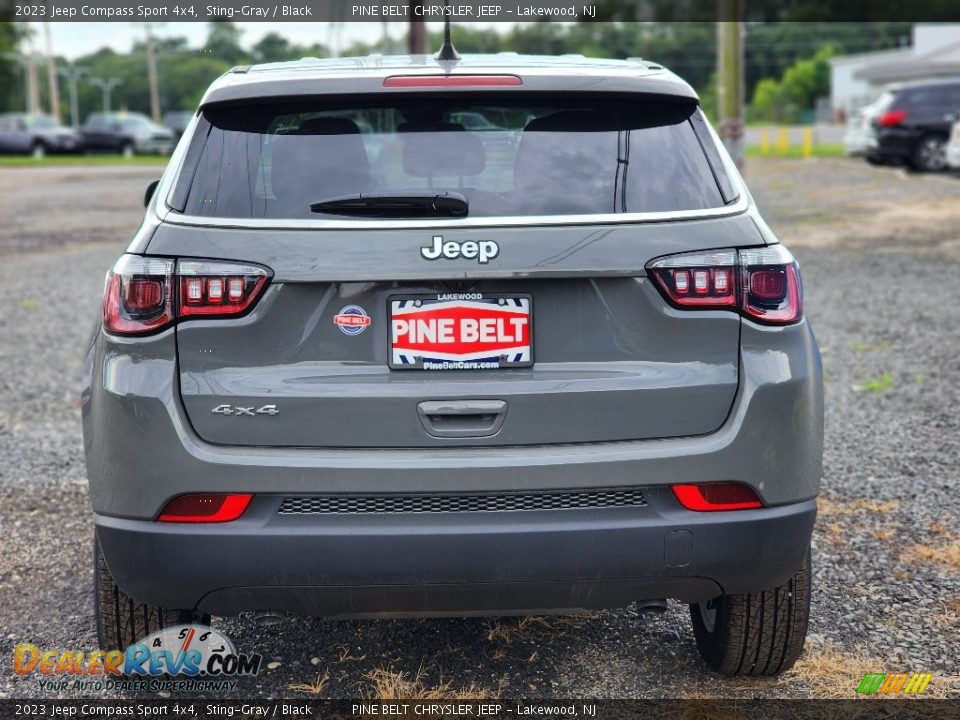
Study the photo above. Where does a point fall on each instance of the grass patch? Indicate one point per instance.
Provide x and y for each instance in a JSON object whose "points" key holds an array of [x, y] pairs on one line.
{"points": [[946, 554], [81, 160], [796, 151], [314, 688], [535, 627], [389, 685], [827, 506], [875, 384], [832, 673], [865, 347]]}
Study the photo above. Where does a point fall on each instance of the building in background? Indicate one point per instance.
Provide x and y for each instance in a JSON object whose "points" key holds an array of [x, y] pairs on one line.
{"points": [[856, 80]]}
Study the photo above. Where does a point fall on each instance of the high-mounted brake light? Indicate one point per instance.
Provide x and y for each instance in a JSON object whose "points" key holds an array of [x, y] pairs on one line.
{"points": [[446, 81], [713, 497], [762, 284], [145, 295], [205, 508], [892, 118]]}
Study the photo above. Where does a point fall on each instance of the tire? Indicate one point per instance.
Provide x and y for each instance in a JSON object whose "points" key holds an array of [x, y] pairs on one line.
{"points": [[38, 151], [126, 150], [122, 621], [755, 634], [930, 154]]}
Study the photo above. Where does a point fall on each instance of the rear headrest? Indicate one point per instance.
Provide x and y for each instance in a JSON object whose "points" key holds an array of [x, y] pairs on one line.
{"points": [[572, 174], [442, 152], [325, 157], [328, 126]]}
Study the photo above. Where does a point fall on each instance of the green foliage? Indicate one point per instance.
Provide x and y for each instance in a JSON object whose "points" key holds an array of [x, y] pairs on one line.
{"points": [[11, 84], [802, 83], [223, 42]]}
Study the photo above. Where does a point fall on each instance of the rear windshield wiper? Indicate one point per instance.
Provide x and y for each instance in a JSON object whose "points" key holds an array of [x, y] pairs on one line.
{"points": [[393, 205]]}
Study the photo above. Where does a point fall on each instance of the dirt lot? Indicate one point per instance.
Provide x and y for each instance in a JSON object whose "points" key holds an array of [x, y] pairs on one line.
{"points": [[880, 255]]}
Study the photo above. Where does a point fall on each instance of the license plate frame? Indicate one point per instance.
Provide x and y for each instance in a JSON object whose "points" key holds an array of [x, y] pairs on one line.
{"points": [[459, 305]]}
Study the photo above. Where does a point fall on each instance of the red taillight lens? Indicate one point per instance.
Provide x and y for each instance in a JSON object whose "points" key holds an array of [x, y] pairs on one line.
{"points": [[892, 118], [772, 293], [705, 280], [762, 284], [205, 508], [209, 288], [447, 81], [713, 497], [141, 295], [138, 297]]}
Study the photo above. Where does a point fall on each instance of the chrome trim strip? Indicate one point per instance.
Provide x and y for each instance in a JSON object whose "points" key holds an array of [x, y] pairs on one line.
{"points": [[738, 207]]}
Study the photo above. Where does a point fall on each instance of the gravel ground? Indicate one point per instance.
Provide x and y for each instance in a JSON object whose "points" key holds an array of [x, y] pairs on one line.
{"points": [[881, 293]]}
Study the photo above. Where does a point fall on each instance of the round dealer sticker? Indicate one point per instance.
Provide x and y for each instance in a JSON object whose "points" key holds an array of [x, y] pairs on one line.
{"points": [[352, 320]]}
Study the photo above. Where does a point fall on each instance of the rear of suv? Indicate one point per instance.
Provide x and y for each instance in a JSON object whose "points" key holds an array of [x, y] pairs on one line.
{"points": [[911, 124], [360, 361]]}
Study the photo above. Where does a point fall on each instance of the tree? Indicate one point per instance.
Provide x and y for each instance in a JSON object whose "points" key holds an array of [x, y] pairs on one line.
{"points": [[11, 74], [802, 83], [273, 47], [223, 42]]}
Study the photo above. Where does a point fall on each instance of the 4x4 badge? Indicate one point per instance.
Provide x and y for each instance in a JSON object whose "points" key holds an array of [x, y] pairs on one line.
{"points": [[483, 250]]}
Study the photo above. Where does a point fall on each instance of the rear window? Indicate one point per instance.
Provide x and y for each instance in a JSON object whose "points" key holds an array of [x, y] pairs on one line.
{"points": [[510, 156]]}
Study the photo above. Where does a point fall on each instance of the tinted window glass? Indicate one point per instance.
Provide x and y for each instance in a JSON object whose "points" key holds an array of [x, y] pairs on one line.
{"points": [[507, 155]]}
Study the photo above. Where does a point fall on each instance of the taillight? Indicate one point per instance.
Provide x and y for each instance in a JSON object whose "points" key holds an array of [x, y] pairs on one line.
{"points": [[138, 297], [205, 508], [713, 497], [215, 288], [762, 284], [892, 118], [145, 295]]}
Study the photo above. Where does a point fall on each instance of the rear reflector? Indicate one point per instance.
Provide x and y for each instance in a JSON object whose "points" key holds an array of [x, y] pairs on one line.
{"points": [[446, 81], [205, 508], [713, 497]]}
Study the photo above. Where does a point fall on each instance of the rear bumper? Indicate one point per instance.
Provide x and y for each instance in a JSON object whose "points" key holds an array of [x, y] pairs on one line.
{"points": [[460, 564], [892, 143]]}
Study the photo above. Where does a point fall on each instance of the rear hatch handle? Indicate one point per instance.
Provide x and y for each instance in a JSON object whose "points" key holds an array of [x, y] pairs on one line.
{"points": [[462, 418]]}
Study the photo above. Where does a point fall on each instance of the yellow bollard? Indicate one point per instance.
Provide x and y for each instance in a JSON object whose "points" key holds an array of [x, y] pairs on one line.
{"points": [[783, 140], [765, 141], [807, 142]]}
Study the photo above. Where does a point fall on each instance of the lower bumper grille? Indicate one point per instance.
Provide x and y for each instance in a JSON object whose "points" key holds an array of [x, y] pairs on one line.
{"points": [[504, 502]]}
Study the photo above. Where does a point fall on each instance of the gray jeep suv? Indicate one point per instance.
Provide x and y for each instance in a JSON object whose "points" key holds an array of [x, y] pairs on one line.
{"points": [[360, 362]]}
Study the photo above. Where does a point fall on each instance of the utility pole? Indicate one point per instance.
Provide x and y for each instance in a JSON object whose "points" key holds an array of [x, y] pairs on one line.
{"points": [[106, 87], [730, 78], [52, 74], [33, 86], [152, 76], [72, 75], [418, 30]]}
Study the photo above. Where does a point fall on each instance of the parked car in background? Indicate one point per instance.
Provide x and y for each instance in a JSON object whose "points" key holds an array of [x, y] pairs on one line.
{"points": [[177, 122], [858, 130], [912, 124], [953, 146], [36, 135], [127, 134]]}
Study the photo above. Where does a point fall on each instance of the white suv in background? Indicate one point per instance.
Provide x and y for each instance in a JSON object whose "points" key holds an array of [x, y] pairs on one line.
{"points": [[953, 145]]}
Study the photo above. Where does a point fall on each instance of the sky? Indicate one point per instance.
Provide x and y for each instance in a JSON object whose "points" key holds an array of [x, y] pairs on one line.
{"points": [[75, 39]]}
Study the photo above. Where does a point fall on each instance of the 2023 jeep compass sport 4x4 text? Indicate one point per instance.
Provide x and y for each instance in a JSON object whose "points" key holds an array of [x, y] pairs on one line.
{"points": [[361, 360]]}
